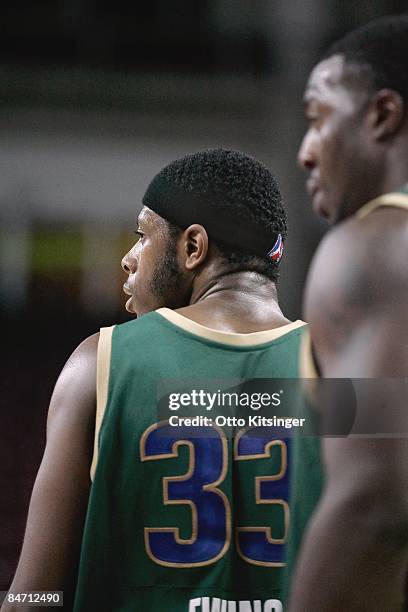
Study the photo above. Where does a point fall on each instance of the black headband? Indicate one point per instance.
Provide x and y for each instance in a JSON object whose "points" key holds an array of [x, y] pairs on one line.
{"points": [[184, 208]]}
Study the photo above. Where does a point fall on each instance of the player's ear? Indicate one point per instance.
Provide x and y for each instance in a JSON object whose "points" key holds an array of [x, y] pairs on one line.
{"points": [[195, 240], [386, 113]]}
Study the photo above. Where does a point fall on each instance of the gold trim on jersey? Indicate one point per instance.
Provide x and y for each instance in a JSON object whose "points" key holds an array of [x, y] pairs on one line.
{"points": [[397, 200], [102, 385], [307, 364], [234, 339]]}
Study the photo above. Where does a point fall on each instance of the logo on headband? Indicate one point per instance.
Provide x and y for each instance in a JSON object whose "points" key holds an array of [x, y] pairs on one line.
{"points": [[276, 251]]}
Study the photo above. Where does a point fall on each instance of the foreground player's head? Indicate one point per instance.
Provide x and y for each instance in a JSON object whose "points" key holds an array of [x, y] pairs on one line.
{"points": [[356, 104], [206, 215]]}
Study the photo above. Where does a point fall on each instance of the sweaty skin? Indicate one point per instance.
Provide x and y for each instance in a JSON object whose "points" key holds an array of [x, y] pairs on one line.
{"points": [[355, 551], [241, 302]]}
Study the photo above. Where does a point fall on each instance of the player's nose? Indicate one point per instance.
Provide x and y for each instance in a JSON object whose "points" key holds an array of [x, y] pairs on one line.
{"points": [[306, 155], [129, 263]]}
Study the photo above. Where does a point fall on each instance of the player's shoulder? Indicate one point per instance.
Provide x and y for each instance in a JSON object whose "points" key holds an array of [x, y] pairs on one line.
{"points": [[365, 252], [90, 343], [81, 365], [359, 268], [74, 396], [86, 349]]}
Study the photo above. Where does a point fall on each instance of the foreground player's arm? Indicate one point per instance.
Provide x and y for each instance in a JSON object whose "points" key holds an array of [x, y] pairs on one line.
{"points": [[50, 553], [355, 552]]}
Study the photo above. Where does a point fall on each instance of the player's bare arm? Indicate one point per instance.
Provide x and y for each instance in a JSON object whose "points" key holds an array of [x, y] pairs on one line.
{"points": [[355, 552], [51, 547]]}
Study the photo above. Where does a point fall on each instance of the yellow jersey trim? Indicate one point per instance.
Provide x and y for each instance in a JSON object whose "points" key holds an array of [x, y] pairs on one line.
{"points": [[398, 200], [307, 365], [233, 339], [102, 385]]}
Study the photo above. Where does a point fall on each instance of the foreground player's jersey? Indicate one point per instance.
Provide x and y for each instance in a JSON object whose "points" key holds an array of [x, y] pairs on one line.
{"points": [[177, 521], [306, 470]]}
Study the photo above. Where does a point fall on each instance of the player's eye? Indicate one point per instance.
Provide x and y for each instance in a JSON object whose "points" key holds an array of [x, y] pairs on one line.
{"points": [[139, 233]]}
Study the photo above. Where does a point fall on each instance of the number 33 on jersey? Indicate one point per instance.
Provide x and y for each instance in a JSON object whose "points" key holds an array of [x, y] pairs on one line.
{"points": [[207, 535]]}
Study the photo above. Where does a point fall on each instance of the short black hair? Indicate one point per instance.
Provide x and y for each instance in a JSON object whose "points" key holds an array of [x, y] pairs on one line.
{"points": [[381, 47], [247, 187]]}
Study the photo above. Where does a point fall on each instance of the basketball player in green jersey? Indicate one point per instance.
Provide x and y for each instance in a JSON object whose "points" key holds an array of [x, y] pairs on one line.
{"points": [[355, 551], [177, 518]]}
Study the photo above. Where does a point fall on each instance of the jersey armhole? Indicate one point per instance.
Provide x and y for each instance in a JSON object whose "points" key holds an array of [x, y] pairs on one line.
{"points": [[102, 386]]}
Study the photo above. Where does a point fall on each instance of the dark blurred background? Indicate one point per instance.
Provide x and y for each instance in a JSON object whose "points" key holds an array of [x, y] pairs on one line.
{"points": [[95, 97]]}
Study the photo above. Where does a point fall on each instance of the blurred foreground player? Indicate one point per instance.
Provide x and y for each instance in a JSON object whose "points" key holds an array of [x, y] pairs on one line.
{"points": [[355, 552], [175, 521]]}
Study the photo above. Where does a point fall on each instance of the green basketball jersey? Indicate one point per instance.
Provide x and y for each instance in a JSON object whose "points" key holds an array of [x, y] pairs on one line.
{"points": [[182, 518]]}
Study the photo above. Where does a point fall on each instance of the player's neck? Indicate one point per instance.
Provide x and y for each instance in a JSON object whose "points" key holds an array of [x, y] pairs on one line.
{"points": [[396, 175], [242, 302], [245, 284], [392, 178]]}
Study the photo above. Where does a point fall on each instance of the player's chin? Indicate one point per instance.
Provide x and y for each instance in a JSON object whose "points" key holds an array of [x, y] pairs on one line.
{"points": [[130, 306], [321, 206]]}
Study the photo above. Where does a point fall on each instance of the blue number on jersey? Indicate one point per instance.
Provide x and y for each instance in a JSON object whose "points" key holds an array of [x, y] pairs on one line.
{"points": [[258, 545], [210, 510]]}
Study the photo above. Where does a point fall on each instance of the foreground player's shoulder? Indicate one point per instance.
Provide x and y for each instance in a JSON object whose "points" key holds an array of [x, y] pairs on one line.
{"points": [[359, 265], [358, 285]]}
